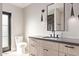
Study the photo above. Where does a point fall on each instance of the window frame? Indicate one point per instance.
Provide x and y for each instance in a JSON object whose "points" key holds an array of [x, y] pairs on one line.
{"points": [[9, 30]]}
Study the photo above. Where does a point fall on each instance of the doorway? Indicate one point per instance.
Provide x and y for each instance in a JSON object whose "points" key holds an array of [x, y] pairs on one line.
{"points": [[6, 31]]}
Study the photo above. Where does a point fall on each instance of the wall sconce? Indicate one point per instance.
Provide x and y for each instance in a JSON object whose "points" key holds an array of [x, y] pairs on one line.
{"points": [[42, 14], [78, 16]]}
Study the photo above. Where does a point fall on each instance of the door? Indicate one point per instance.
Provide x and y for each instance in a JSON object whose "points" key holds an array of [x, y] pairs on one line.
{"points": [[6, 31]]}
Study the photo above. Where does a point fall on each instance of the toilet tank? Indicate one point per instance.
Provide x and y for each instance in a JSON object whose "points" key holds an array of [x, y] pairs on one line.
{"points": [[18, 39]]}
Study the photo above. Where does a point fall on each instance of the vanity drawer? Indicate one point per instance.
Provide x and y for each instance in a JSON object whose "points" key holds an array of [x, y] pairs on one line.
{"points": [[74, 51], [51, 45], [68, 50]]}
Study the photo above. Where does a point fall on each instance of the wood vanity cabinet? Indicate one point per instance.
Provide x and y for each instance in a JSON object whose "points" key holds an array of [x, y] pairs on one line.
{"points": [[73, 50], [48, 48], [63, 51], [68, 50], [43, 48], [33, 47]]}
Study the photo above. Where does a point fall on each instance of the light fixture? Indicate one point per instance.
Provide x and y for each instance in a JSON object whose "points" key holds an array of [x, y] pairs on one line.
{"points": [[72, 10], [72, 13], [42, 14], [73, 17]]}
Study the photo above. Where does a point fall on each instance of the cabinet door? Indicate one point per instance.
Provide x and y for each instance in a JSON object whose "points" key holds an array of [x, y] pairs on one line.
{"points": [[49, 52], [73, 50], [52, 45], [68, 50], [40, 51], [63, 50], [33, 50], [50, 48], [33, 47]]}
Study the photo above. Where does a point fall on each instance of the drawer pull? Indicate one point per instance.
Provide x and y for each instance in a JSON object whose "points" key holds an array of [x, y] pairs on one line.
{"points": [[45, 49], [69, 46]]}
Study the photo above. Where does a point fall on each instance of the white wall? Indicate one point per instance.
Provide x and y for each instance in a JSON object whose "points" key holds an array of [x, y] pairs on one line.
{"points": [[0, 29], [16, 21], [34, 26], [33, 23]]}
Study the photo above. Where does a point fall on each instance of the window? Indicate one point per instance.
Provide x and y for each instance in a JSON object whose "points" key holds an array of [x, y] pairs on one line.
{"points": [[6, 31]]}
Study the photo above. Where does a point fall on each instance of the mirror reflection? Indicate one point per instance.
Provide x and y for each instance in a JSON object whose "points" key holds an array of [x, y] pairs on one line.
{"points": [[55, 17]]}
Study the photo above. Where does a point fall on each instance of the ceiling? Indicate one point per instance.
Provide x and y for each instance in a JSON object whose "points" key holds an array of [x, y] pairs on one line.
{"points": [[21, 5]]}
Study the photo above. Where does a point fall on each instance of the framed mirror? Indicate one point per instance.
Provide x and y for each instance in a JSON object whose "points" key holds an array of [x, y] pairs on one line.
{"points": [[56, 17]]}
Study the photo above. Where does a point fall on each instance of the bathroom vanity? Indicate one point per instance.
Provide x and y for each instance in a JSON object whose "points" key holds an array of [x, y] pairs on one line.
{"points": [[39, 46]]}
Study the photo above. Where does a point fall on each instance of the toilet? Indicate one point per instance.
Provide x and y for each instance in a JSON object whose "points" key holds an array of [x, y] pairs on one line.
{"points": [[20, 45]]}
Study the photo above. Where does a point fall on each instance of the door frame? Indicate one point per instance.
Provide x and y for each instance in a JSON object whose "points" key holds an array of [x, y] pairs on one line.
{"points": [[9, 30]]}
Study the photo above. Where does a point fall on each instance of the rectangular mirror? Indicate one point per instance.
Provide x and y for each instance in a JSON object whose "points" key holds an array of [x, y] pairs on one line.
{"points": [[55, 17]]}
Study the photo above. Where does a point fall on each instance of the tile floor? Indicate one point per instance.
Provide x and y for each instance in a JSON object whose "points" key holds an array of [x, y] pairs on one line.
{"points": [[10, 53]]}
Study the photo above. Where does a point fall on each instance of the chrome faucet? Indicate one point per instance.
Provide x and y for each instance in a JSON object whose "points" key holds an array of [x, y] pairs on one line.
{"points": [[54, 34], [50, 35]]}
